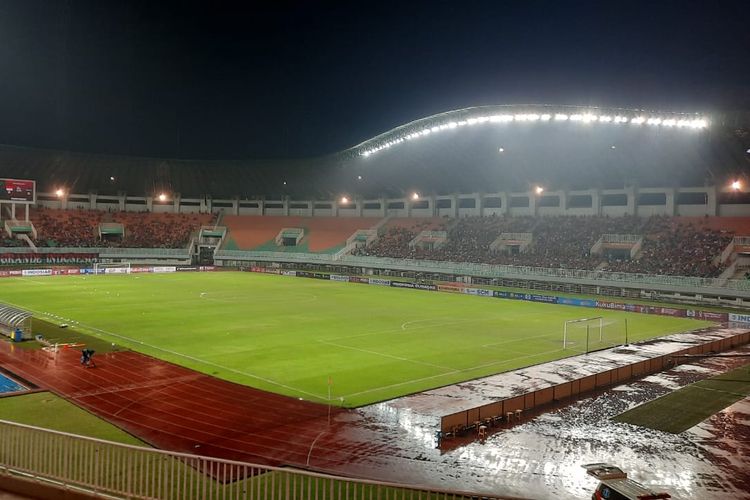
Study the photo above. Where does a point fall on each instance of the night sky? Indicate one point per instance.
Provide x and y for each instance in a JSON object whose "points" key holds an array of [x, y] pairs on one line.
{"points": [[225, 80]]}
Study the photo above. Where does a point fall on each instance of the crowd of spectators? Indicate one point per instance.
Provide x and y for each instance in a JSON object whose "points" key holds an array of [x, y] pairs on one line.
{"points": [[394, 242], [669, 247], [676, 248], [80, 228]]}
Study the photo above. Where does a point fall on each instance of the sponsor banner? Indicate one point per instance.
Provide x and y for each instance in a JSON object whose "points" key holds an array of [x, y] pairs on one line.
{"points": [[207, 268], [359, 279], [36, 272], [605, 304], [425, 286], [182, 269], [668, 311], [15, 259], [738, 318], [379, 281], [451, 288], [117, 270], [547, 299], [715, 316], [160, 269], [140, 269], [289, 273], [15, 272], [73, 271], [500, 294], [402, 284], [339, 277], [4, 274], [478, 291], [576, 302], [59, 272], [86, 270]]}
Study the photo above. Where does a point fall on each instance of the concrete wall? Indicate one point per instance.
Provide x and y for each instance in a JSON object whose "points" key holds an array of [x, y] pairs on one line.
{"points": [[450, 205]]}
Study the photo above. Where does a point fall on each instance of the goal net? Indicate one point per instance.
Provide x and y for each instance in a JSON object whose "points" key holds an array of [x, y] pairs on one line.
{"points": [[119, 268], [591, 334]]}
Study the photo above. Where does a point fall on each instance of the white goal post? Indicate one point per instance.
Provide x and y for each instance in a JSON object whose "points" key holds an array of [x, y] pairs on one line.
{"points": [[106, 268], [594, 328]]}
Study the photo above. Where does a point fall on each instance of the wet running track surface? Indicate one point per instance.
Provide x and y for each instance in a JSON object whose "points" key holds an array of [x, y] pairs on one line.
{"points": [[175, 408]]}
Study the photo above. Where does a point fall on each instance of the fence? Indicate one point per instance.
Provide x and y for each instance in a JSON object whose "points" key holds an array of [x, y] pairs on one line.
{"points": [[723, 287], [121, 470], [464, 420]]}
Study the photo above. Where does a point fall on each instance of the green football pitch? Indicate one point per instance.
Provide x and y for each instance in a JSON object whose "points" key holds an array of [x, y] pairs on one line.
{"points": [[292, 335]]}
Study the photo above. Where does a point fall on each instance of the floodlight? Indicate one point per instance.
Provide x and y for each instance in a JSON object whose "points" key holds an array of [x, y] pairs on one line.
{"points": [[415, 196], [588, 118], [736, 185], [612, 147], [576, 118], [359, 177], [112, 178], [605, 119], [561, 117], [59, 193], [285, 183], [539, 190], [501, 150], [545, 117], [637, 120], [748, 151], [344, 200], [162, 197]]}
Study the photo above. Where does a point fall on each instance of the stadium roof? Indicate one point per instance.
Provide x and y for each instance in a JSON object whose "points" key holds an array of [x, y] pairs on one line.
{"points": [[488, 148]]}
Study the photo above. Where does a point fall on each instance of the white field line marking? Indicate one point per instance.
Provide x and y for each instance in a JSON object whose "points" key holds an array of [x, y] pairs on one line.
{"points": [[399, 358], [719, 390], [498, 363], [192, 358], [205, 362], [394, 330]]}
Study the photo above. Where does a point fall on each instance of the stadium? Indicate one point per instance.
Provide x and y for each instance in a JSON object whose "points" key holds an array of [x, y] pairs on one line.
{"points": [[473, 304]]}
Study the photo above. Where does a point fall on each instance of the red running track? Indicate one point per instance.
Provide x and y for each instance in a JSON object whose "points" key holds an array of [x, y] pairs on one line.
{"points": [[178, 409]]}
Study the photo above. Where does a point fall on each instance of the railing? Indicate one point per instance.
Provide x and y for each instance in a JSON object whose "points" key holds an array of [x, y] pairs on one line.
{"points": [[120, 470], [437, 236], [517, 236], [496, 271], [621, 238]]}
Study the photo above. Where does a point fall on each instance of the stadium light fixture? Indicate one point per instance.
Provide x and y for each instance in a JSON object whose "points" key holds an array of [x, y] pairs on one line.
{"points": [[112, 178], [415, 196], [501, 150], [344, 200], [736, 185], [584, 118], [612, 147], [162, 197], [59, 192], [539, 190], [359, 177]]}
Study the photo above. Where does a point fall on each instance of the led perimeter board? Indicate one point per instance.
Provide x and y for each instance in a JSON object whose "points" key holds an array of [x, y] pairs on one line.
{"points": [[17, 191]]}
